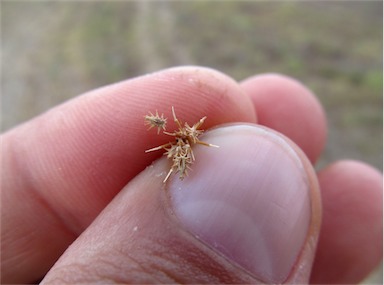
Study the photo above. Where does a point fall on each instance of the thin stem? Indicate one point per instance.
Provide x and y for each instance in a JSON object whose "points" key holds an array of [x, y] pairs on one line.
{"points": [[159, 147]]}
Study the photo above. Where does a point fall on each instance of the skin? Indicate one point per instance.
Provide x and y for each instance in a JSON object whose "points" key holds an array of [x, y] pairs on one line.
{"points": [[61, 169]]}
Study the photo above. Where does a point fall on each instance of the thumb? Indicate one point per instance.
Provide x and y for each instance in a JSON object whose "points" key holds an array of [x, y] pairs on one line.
{"points": [[248, 212]]}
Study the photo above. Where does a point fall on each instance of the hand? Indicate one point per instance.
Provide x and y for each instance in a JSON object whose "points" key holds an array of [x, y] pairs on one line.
{"points": [[76, 186]]}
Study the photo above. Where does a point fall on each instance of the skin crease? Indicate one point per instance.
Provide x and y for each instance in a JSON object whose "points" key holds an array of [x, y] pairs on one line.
{"points": [[63, 194]]}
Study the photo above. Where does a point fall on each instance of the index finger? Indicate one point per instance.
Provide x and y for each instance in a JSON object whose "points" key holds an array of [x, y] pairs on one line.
{"points": [[62, 168]]}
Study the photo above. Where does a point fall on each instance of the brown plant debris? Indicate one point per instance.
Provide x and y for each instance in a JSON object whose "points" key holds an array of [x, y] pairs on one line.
{"points": [[155, 121], [180, 150]]}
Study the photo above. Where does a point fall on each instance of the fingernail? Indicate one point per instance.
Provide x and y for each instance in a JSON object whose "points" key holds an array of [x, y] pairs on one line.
{"points": [[248, 200]]}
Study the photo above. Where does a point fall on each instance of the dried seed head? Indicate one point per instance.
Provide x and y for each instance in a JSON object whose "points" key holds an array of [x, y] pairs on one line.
{"points": [[155, 121], [193, 132], [180, 151], [182, 157]]}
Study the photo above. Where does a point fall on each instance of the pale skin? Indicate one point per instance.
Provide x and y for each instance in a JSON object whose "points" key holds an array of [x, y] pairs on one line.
{"points": [[61, 169]]}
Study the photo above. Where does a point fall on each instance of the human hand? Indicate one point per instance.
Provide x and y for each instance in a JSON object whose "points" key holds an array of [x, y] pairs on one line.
{"points": [[249, 211]]}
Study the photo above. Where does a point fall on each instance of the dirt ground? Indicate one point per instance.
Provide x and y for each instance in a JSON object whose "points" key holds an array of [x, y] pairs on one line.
{"points": [[53, 51]]}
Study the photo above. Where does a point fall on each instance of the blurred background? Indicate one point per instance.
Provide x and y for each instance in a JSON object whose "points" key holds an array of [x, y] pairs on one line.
{"points": [[52, 51]]}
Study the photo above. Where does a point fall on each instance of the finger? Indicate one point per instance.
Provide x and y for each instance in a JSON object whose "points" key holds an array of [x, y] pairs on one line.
{"points": [[351, 239], [286, 106], [62, 168], [247, 213]]}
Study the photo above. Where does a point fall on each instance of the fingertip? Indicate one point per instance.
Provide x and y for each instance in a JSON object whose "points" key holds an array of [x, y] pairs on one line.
{"points": [[203, 91], [348, 167], [287, 106], [350, 244]]}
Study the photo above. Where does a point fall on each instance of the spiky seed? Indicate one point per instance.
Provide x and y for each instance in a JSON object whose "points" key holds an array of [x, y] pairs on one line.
{"points": [[155, 121], [180, 151]]}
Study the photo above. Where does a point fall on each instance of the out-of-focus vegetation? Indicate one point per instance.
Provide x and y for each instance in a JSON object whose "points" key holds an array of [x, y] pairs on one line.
{"points": [[53, 51]]}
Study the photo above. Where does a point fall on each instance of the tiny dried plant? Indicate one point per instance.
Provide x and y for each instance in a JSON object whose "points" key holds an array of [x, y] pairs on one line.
{"points": [[180, 150], [155, 121]]}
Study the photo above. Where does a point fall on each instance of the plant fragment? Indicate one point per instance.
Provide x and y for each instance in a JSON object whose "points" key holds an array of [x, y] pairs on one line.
{"points": [[180, 150], [155, 121]]}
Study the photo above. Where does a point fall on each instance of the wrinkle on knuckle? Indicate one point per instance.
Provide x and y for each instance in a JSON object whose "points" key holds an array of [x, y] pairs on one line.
{"points": [[69, 274], [98, 271], [110, 267], [137, 268]]}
